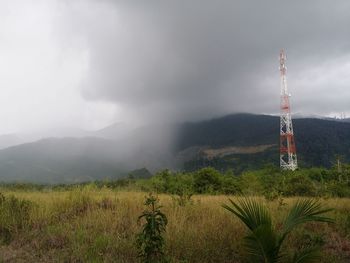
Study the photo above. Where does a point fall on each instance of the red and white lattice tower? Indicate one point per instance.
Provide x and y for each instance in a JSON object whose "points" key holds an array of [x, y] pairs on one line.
{"points": [[288, 155]]}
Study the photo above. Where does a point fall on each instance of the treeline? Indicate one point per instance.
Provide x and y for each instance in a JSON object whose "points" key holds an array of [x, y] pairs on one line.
{"points": [[269, 181]]}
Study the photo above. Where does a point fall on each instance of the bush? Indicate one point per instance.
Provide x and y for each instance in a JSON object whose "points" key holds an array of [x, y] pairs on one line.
{"points": [[337, 189], [207, 180], [183, 199], [300, 185], [230, 184], [150, 241], [264, 242], [14, 216], [251, 184]]}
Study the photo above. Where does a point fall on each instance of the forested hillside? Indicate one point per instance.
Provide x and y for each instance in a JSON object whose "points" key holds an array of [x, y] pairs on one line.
{"points": [[239, 142], [319, 142]]}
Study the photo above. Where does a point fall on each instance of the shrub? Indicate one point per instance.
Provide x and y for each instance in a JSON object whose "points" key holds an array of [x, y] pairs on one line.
{"points": [[272, 195], [14, 216], [182, 198], [230, 184], [300, 185], [207, 180], [264, 242], [251, 184], [150, 241], [337, 189]]}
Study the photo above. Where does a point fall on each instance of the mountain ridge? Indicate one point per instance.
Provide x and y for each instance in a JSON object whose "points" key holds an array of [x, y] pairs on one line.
{"points": [[228, 142]]}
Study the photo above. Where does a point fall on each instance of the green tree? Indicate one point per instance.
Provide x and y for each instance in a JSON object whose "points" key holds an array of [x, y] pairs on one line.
{"points": [[161, 181], [300, 185], [207, 180], [251, 184], [182, 188], [230, 184]]}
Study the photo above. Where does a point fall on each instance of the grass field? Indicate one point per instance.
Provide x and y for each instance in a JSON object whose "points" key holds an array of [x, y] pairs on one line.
{"points": [[91, 225]]}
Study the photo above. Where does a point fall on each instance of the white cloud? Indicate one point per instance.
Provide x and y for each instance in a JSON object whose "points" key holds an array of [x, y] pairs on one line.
{"points": [[40, 79], [88, 63]]}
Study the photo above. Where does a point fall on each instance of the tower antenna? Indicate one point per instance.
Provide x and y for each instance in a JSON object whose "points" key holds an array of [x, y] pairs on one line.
{"points": [[288, 155]]}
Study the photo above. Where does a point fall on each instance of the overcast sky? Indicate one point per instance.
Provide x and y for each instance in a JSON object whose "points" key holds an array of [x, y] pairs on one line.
{"points": [[90, 63]]}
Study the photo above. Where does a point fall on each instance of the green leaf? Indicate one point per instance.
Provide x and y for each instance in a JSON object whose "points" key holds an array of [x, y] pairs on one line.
{"points": [[310, 255], [303, 211], [251, 213], [260, 245], [263, 244]]}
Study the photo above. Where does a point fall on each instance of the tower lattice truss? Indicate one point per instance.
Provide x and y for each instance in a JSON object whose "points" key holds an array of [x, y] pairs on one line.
{"points": [[288, 155]]}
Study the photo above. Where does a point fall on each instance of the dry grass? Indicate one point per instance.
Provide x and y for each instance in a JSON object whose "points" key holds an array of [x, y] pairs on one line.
{"points": [[100, 225]]}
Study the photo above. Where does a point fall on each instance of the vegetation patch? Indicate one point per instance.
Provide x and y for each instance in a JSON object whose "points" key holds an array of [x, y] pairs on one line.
{"points": [[14, 216]]}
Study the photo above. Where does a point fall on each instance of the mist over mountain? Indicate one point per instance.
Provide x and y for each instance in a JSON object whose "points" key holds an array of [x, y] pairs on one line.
{"points": [[8, 140], [60, 160], [109, 153], [237, 141], [161, 72], [113, 131]]}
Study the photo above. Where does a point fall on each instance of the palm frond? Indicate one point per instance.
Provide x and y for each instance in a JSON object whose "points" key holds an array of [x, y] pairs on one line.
{"points": [[303, 211], [260, 244], [250, 212], [310, 255], [263, 244]]}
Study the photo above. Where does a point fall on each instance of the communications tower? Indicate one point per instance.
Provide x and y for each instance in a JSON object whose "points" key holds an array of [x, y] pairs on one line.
{"points": [[288, 154]]}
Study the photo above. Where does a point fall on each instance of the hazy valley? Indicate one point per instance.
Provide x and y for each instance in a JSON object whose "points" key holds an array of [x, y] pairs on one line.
{"points": [[238, 142]]}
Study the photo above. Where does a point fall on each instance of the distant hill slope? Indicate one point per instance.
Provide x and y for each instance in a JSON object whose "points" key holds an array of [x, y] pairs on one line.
{"points": [[8, 140], [61, 160], [318, 141], [70, 160], [231, 130], [238, 141]]}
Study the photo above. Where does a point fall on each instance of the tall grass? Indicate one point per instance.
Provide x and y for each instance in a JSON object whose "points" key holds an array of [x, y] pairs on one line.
{"points": [[89, 225], [14, 216]]}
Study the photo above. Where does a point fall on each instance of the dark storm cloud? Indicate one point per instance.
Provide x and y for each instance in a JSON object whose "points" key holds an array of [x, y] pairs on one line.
{"points": [[197, 59]]}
